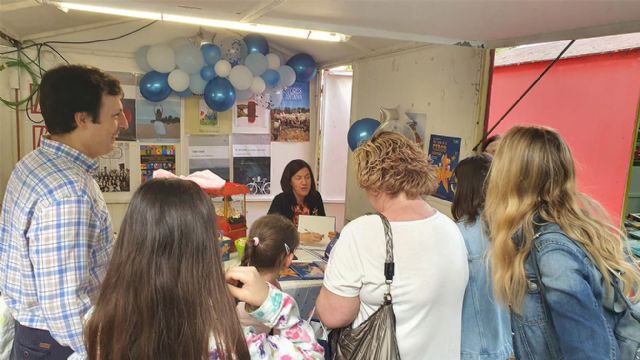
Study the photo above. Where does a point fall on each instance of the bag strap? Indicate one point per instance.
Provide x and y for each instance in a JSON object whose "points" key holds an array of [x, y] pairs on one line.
{"points": [[389, 265]]}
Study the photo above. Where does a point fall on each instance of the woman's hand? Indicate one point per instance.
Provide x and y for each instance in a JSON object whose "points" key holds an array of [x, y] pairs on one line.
{"points": [[310, 238], [253, 290], [332, 235]]}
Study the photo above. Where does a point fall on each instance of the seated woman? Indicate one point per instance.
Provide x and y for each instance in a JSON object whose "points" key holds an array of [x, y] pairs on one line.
{"points": [[299, 197], [165, 294], [430, 256]]}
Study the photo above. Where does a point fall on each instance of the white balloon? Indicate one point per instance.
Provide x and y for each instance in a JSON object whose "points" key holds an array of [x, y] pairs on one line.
{"points": [[258, 85], [241, 77], [161, 58], [178, 80], [179, 42], [287, 76], [141, 59], [222, 68], [273, 61], [244, 95], [197, 84], [189, 58], [256, 62]]}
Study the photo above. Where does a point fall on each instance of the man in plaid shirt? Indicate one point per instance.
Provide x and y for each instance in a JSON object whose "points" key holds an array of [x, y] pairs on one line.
{"points": [[55, 230]]}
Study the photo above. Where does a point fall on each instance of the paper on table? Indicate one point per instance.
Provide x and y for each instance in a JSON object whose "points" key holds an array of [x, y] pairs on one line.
{"points": [[318, 224]]}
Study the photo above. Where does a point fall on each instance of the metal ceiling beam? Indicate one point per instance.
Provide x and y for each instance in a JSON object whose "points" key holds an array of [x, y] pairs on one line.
{"points": [[260, 11]]}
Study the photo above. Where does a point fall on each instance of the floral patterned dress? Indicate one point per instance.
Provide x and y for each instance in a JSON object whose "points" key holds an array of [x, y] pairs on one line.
{"points": [[295, 339]]}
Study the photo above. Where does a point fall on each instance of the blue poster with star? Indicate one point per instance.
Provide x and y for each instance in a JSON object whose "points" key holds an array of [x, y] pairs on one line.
{"points": [[445, 153]]}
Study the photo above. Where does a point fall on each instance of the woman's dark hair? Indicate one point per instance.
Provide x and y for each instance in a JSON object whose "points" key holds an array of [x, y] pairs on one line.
{"points": [[469, 196], [272, 232], [290, 170], [69, 89], [489, 140], [164, 293]]}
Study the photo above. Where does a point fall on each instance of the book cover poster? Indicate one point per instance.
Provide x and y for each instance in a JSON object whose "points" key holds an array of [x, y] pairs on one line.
{"points": [[252, 162], [210, 153], [251, 118], [417, 122], [158, 122], [291, 120], [114, 172], [445, 153], [154, 157], [129, 110], [201, 119]]}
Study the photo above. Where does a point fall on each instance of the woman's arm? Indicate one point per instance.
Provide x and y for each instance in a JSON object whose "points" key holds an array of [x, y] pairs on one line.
{"points": [[577, 317], [336, 311]]}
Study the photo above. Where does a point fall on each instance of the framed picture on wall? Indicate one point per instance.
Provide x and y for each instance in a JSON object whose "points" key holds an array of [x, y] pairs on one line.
{"points": [[250, 118]]}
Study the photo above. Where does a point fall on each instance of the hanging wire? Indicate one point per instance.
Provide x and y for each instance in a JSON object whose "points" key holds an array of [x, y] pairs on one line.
{"points": [[484, 137]]}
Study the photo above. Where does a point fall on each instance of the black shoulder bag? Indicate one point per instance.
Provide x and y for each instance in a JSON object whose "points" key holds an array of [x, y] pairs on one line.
{"points": [[375, 338]]}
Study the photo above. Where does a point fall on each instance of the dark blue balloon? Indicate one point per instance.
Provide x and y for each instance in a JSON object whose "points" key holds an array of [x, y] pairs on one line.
{"points": [[256, 43], [154, 86], [304, 66], [211, 53], [361, 131], [219, 94], [270, 77], [207, 73]]}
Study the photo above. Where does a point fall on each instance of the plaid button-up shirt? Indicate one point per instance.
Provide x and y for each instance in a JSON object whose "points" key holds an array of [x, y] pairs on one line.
{"points": [[55, 241]]}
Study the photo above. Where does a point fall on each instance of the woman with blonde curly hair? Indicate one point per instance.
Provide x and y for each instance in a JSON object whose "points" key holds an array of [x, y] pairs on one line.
{"points": [[536, 215], [429, 253]]}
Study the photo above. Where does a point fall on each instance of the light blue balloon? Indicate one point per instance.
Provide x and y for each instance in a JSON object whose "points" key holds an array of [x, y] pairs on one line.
{"points": [[197, 84], [141, 59], [287, 76], [219, 94], [257, 63], [244, 95], [154, 86], [211, 53], [189, 59], [256, 43], [207, 72], [183, 93], [305, 67], [271, 77]]}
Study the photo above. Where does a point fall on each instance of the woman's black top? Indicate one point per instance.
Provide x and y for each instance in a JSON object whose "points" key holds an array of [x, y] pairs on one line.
{"points": [[285, 204]]}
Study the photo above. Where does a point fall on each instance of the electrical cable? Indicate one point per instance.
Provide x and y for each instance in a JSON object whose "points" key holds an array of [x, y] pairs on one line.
{"points": [[484, 137]]}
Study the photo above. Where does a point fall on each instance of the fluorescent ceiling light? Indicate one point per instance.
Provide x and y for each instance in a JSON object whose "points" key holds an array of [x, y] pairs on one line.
{"points": [[232, 25]]}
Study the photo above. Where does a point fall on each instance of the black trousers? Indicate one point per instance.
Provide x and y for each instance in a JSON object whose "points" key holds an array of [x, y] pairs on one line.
{"points": [[36, 344]]}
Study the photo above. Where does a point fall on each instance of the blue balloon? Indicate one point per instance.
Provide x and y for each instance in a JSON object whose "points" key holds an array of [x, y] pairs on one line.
{"points": [[207, 73], [270, 77], [256, 43], [361, 131], [211, 53], [304, 66], [219, 94], [154, 86]]}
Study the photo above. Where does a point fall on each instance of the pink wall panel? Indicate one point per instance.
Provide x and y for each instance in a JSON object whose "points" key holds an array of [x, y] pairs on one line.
{"points": [[592, 101]]}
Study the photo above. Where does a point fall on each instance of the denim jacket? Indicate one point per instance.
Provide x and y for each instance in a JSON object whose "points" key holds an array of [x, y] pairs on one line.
{"points": [[570, 322], [486, 331]]}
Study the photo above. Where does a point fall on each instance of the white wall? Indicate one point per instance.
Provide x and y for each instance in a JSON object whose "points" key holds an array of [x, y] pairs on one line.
{"points": [[8, 136], [448, 83]]}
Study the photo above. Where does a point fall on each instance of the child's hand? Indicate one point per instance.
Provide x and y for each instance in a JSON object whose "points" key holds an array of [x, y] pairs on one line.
{"points": [[254, 289], [310, 238]]}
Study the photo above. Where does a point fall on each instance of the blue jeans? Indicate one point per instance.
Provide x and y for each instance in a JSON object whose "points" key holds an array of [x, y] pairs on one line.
{"points": [[36, 344]]}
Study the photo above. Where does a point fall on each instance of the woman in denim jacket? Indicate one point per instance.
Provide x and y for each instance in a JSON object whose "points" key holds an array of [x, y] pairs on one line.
{"points": [[533, 206], [486, 330]]}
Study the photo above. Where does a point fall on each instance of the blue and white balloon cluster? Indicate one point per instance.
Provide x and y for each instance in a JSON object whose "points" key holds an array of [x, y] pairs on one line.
{"points": [[232, 69]]}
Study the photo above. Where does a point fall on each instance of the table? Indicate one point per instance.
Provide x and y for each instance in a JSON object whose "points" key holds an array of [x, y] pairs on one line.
{"points": [[305, 292]]}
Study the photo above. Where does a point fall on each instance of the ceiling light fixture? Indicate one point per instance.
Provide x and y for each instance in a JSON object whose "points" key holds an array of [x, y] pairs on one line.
{"points": [[225, 24]]}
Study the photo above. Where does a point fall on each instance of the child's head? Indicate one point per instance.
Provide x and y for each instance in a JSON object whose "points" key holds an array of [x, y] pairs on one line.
{"points": [[272, 240], [164, 292], [470, 174]]}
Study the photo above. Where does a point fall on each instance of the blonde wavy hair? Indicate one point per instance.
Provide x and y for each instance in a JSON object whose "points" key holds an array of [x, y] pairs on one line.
{"points": [[393, 164], [533, 174]]}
